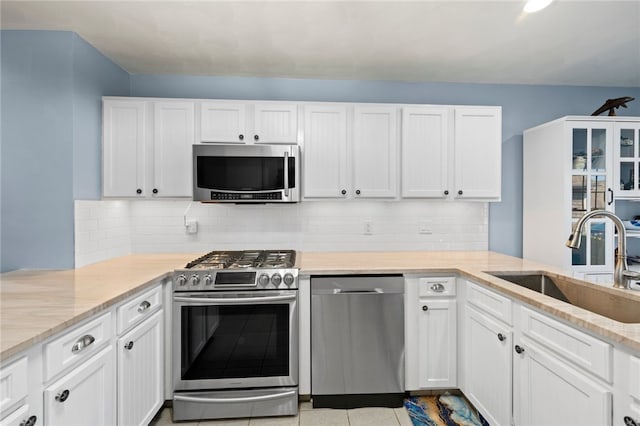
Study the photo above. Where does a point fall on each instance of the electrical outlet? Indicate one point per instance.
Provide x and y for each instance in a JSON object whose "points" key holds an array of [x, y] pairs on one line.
{"points": [[425, 229], [368, 228], [192, 226]]}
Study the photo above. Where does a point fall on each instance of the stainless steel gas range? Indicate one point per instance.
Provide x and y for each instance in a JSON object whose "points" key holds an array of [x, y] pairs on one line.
{"points": [[235, 335]]}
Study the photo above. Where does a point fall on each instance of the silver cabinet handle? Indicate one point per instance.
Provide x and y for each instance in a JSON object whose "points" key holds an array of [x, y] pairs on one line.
{"points": [[62, 396], [129, 346], [82, 343], [229, 400], [437, 287], [519, 349], [628, 421], [501, 337], [425, 308], [286, 174], [144, 306]]}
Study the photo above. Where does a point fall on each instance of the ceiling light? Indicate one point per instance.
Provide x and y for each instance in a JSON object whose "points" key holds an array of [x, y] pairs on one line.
{"points": [[536, 5]]}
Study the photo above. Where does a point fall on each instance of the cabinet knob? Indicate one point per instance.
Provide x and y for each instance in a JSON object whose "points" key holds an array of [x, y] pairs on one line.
{"points": [[519, 349], [256, 137], [501, 337], [138, 191], [460, 192], [437, 288], [31, 421], [343, 192], [62, 396], [425, 308], [241, 137], [143, 306], [446, 192], [129, 346], [357, 192], [155, 190], [628, 421]]}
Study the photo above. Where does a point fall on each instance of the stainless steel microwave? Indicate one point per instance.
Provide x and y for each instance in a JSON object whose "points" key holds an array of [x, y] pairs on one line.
{"points": [[246, 173]]}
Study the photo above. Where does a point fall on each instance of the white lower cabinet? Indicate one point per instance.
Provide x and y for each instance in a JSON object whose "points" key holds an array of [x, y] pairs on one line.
{"points": [[535, 371], [85, 396], [431, 338], [140, 372], [548, 391], [488, 366]]}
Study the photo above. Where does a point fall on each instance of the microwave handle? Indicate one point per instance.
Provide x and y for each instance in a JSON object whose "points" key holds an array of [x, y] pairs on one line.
{"points": [[286, 174]]}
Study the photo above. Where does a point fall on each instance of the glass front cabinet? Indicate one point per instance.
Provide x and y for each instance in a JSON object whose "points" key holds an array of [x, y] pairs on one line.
{"points": [[591, 188], [571, 166]]}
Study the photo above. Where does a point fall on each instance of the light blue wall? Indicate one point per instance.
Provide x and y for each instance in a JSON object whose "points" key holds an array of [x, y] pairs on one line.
{"points": [[51, 83], [50, 147], [523, 106]]}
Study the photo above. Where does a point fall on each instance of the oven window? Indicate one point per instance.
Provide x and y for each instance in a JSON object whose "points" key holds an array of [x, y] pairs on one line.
{"points": [[243, 341], [243, 173]]}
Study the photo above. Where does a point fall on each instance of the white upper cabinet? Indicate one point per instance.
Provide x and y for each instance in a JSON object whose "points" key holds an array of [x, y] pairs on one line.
{"points": [[123, 148], [261, 122], [626, 138], [451, 152], [375, 152], [147, 148], [477, 152], [275, 123], [223, 122], [425, 142], [173, 138], [325, 151]]}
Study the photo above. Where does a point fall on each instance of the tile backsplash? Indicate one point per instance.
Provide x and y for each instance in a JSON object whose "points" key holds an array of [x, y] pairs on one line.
{"points": [[154, 226]]}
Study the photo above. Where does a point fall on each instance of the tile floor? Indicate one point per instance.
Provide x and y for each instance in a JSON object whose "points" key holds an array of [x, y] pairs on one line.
{"points": [[308, 416]]}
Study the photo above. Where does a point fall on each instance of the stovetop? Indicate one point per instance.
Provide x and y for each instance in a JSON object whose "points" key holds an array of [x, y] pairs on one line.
{"points": [[247, 259], [239, 270]]}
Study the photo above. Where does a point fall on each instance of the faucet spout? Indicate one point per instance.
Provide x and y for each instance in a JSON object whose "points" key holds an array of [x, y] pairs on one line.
{"points": [[621, 273]]}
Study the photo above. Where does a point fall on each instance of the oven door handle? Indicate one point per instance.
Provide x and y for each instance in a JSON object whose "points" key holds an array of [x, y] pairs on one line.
{"points": [[233, 300], [242, 399]]}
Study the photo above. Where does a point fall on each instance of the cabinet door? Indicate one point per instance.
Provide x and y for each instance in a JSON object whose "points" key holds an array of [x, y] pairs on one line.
{"points": [[325, 152], [223, 122], [550, 392], [375, 147], [437, 344], [627, 159], [275, 123], [172, 141], [477, 153], [425, 136], [123, 148], [590, 165], [86, 396], [488, 366], [141, 372]]}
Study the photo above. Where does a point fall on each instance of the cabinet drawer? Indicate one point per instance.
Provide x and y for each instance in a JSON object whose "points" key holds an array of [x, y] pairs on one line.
{"points": [[139, 308], [13, 385], [76, 345], [490, 302], [634, 373], [18, 417], [578, 348], [437, 286]]}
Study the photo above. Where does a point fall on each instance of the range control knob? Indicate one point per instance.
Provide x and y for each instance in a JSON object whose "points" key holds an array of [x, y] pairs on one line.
{"points": [[208, 280], [263, 280], [195, 279], [276, 279], [288, 279], [181, 280]]}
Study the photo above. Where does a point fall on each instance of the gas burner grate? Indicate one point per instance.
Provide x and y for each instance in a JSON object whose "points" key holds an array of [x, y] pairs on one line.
{"points": [[245, 259]]}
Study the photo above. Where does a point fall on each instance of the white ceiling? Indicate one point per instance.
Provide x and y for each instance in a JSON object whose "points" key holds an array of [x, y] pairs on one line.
{"points": [[593, 43]]}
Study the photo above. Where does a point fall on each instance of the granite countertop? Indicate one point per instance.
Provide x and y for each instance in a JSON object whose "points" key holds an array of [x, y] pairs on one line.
{"points": [[38, 304]]}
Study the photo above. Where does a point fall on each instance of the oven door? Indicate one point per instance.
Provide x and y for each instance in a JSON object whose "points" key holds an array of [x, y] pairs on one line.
{"points": [[235, 339]]}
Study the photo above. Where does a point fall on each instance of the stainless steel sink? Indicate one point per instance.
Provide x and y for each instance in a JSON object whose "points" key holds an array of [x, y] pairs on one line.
{"points": [[618, 305]]}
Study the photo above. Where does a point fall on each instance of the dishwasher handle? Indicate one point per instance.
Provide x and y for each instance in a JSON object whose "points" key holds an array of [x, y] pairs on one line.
{"points": [[371, 291]]}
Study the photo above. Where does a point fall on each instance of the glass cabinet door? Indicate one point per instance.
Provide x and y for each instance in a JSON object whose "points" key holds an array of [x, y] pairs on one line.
{"points": [[627, 176], [591, 189]]}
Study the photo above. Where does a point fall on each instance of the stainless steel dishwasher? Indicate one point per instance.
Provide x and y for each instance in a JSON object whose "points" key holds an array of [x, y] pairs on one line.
{"points": [[357, 341]]}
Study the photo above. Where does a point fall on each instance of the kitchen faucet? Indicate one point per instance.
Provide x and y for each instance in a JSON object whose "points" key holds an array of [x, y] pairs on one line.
{"points": [[621, 273]]}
